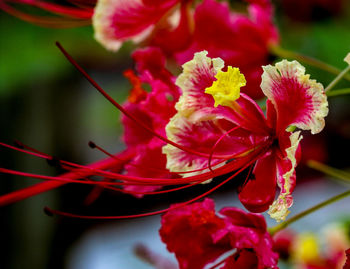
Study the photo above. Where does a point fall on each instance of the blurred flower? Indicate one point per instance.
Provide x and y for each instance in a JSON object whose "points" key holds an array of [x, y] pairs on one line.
{"points": [[199, 237], [116, 21], [211, 119], [308, 250]]}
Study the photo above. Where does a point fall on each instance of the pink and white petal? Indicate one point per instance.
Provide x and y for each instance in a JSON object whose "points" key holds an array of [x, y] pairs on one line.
{"points": [[197, 75], [258, 194], [116, 21], [202, 137], [298, 100], [286, 179]]}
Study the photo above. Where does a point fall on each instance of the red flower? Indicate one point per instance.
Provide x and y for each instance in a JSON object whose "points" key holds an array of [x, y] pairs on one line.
{"points": [[198, 237]]}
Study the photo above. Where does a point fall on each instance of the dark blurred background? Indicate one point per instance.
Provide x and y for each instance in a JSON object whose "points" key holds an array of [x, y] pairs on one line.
{"points": [[47, 104]]}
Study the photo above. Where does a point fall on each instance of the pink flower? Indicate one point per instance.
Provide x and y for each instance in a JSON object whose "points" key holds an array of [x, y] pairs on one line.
{"points": [[221, 124], [198, 237], [240, 40]]}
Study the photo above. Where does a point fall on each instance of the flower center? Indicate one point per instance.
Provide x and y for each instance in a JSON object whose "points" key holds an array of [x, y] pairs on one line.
{"points": [[226, 89]]}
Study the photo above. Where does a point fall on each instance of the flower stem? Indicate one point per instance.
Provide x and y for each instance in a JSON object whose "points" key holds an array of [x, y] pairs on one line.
{"points": [[283, 225], [283, 53], [338, 92], [337, 78], [330, 171]]}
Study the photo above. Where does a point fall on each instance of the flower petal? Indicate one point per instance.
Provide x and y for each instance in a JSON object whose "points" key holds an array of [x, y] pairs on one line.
{"points": [[143, 165], [116, 21], [189, 232], [286, 178], [298, 100], [198, 74], [258, 194]]}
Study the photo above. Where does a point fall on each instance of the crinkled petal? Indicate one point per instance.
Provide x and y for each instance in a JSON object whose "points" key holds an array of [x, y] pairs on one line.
{"points": [[248, 233], [198, 237], [286, 178], [188, 231], [298, 100], [116, 21]]}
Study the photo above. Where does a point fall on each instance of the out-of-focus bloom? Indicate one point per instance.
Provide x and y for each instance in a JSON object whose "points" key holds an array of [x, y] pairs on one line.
{"points": [[309, 251], [199, 237], [240, 40], [116, 21], [213, 121]]}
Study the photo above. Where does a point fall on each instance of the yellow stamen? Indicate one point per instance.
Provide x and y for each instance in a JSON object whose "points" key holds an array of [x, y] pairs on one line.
{"points": [[226, 88]]}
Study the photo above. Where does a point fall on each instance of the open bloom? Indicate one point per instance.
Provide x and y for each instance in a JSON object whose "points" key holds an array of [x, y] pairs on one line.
{"points": [[213, 118], [198, 237]]}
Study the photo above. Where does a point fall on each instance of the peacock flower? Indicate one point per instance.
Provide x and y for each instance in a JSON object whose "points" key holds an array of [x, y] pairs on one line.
{"points": [[217, 120], [233, 239]]}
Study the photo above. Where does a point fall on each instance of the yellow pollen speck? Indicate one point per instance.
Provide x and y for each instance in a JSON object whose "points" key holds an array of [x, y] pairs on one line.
{"points": [[226, 88]]}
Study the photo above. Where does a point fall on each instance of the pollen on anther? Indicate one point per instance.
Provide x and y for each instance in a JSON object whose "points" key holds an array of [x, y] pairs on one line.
{"points": [[226, 88]]}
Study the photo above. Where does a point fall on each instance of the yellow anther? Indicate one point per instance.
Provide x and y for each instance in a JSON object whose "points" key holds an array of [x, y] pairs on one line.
{"points": [[226, 88]]}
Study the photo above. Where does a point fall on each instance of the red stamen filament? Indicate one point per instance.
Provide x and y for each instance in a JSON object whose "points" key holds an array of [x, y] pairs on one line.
{"points": [[80, 13], [66, 214], [43, 20], [216, 144]]}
